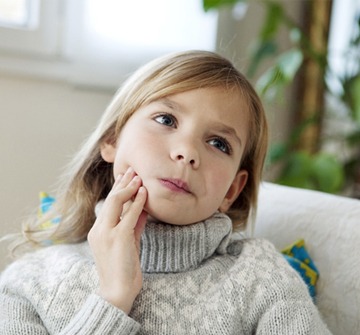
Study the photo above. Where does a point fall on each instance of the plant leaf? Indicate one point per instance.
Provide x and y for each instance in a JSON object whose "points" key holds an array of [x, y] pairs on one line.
{"points": [[322, 172], [259, 51], [297, 170], [273, 20], [354, 91], [289, 63], [277, 152], [327, 172], [269, 83], [272, 82], [353, 139], [216, 4]]}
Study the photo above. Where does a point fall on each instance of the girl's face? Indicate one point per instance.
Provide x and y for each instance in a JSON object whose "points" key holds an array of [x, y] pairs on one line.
{"points": [[187, 150]]}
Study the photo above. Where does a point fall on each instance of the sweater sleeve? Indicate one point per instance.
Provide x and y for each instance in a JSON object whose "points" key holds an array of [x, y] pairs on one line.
{"points": [[51, 291], [291, 317], [100, 317], [17, 316]]}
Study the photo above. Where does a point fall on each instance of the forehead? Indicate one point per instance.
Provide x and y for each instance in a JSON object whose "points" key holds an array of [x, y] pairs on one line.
{"points": [[230, 101], [216, 105]]}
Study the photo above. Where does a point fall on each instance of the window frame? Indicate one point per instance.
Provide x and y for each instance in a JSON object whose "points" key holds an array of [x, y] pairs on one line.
{"points": [[36, 39], [56, 49]]}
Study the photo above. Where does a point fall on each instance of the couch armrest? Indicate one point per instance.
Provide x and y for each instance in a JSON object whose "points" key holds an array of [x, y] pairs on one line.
{"points": [[330, 226]]}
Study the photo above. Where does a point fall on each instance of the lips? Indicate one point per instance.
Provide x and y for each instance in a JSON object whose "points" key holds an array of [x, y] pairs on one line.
{"points": [[176, 185]]}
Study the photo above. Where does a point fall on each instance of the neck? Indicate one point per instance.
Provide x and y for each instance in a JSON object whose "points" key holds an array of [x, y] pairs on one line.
{"points": [[172, 248]]}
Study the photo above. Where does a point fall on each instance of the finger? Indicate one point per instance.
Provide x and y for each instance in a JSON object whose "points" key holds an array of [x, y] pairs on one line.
{"points": [[114, 203], [118, 198], [140, 227], [103, 209], [123, 179], [127, 177], [135, 210], [117, 181]]}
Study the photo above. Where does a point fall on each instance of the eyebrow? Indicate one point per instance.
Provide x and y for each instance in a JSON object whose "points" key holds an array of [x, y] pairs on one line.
{"points": [[227, 130], [218, 126], [170, 103]]}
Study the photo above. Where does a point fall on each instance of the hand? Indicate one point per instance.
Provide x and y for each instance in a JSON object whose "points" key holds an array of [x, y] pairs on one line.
{"points": [[115, 241]]}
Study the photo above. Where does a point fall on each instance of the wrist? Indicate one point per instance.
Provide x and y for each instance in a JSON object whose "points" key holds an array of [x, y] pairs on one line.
{"points": [[121, 301]]}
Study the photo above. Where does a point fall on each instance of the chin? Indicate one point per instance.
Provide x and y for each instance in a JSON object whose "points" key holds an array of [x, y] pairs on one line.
{"points": [[167, 211], [167, 220], [170, 219]]}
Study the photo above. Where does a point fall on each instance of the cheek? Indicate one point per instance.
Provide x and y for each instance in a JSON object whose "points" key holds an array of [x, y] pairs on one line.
{"points": [[220, 182], [136, 150], [124, 156]]}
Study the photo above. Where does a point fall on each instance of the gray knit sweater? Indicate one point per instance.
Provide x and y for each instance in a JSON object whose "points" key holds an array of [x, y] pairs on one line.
{"points": [[196, 281]]}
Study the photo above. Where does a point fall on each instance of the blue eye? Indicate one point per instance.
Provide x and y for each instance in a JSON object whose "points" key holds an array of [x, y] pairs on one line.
{"points": [[221, 144], [166, 119]]}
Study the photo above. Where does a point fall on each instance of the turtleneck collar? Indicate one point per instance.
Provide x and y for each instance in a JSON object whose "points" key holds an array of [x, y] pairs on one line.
{"points": [[171, 248]]}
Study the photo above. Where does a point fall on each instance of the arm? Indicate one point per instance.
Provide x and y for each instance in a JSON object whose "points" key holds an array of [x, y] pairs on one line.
{"points": [[18, 316], [120, 277], [277, 299], [115, 241], [287, 305]]}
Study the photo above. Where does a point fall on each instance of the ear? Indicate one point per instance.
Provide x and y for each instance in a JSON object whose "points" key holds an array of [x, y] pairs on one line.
{"points": [[108, 152], [235, 189]]}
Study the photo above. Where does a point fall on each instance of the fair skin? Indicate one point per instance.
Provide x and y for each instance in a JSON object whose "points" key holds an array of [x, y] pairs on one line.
{"points": [[181, 152]]}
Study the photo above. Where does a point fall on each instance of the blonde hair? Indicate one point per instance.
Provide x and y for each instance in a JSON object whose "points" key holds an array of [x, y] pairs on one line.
{"points": [[89, 178]]}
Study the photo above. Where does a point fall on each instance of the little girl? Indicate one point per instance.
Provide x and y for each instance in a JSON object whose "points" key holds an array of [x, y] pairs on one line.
{"points": [[147, 210]]}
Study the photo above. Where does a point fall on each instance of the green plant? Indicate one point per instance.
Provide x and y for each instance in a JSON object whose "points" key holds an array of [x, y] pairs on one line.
{"points": [[299, 166], [318, 171]]}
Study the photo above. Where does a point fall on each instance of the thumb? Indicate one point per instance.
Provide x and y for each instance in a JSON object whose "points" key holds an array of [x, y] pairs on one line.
{"points": [[140, 227]]}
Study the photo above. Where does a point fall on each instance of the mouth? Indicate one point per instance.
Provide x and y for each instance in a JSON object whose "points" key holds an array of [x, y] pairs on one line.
{"points": [[176, 185]]}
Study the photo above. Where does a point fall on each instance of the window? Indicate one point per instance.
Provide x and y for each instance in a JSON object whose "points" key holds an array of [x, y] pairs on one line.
{"points": [[18, 13], [29, 26], [345, 14], [98, 42]]}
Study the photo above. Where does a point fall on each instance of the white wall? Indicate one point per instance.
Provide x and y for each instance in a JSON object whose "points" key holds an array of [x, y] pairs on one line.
{"points": [[42, 123]]}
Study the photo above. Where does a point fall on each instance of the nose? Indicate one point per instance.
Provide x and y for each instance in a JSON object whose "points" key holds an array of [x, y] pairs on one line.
{"points": [[186, 153]]}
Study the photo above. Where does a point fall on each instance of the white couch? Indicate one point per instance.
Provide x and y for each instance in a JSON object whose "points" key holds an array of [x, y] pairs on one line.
{"points": [[330, 226]]}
